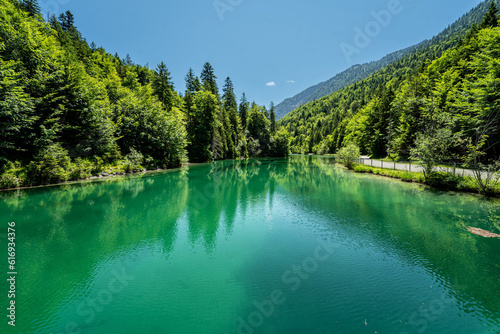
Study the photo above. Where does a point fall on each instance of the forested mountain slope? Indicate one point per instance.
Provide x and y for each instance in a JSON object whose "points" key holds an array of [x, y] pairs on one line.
{"points": [[452, 75], [70, 110], [351, 75]]}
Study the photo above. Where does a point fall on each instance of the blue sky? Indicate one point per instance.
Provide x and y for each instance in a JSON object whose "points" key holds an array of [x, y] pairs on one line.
{"points": [[271, 49]]}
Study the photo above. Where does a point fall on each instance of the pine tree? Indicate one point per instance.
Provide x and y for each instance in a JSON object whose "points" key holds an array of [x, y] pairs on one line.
{"points": [[67, 20], [244, 107], [272, 118], [128, 60], [30, 6], [209, 80], [490, 19], [230, 106], [163, 86], [192, 86], [192, 82]]}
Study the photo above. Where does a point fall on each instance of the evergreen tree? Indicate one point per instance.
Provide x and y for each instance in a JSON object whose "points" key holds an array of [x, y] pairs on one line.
{"points": [[490, 19], [258, 129], [272, 118], [192, 86], [163, 86], [192, 82], [209, 80], [128, 60], [203, 126], [67, 20], [244, 108], [30, 6], [230, 106]]}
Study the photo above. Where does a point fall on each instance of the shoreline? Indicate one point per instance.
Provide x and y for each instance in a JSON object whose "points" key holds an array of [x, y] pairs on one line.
{"points": [[495, 196], [112, 176], [96, 178]]}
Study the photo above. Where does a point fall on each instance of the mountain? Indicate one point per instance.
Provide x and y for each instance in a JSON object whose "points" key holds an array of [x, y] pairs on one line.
{"points": [[359, 72], [351, 75], [369, 111]]}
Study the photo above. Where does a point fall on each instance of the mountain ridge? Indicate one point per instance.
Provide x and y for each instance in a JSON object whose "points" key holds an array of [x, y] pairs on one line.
{"points": [[311, 94], [343, 79]]}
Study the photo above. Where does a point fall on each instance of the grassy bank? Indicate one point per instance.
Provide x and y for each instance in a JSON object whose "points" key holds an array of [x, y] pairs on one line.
{"points": [[439, 180]]}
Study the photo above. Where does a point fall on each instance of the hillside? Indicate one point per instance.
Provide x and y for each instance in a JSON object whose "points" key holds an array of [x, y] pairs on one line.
{"points": [[70, 110], [351, 75], [370, 111]]}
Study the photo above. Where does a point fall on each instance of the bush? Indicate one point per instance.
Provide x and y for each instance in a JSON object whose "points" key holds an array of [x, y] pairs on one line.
{"points": [[346, 155], [9, 181], [50, 166], [443, 180], [133, 161], [81, 169], [12, 175], [362, 169]]}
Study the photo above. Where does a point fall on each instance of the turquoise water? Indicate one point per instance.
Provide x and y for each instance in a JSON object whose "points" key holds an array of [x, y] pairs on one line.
{"points": [[261, 246]]}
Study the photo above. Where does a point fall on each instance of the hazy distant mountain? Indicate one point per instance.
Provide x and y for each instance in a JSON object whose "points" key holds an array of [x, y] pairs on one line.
{"points": [[351, 75]]}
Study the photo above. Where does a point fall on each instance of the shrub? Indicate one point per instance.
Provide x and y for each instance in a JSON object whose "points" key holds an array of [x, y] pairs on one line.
{"points": [[133, 161], [362, 169], [12, 175], [9, 181], [81, 169], [346, 155], [443, 180], [50, 166]]}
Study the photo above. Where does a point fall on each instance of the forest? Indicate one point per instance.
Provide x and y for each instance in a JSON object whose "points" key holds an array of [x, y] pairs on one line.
{"points": [[443, 98], [69, 110]]}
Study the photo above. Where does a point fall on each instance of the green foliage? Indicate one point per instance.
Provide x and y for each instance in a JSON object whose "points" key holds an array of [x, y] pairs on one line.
{"points": [[209, 80], [133, 161], [258, 127], [12, 175], [50, 166], [396, 111], [433, 146], [280, 144], [30, 6], [490, 19], [347, 155], [80, 169], [146, 125], [346, 78], [163, 86], [443, 180], [272, 118], [202, 126], [243, 111]]}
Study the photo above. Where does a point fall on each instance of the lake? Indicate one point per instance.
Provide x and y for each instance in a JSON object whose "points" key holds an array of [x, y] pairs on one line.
{"points": [[287, 246]]}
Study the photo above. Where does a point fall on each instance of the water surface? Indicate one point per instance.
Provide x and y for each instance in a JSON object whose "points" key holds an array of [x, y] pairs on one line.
{"points": [[260, 246]]}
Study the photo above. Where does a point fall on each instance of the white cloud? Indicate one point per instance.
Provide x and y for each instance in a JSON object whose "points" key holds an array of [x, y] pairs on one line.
{"points": [[271, 84], [290, 81]]}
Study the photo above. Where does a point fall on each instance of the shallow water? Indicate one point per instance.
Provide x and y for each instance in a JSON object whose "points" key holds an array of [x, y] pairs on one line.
{"points": [[261, 246]]}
